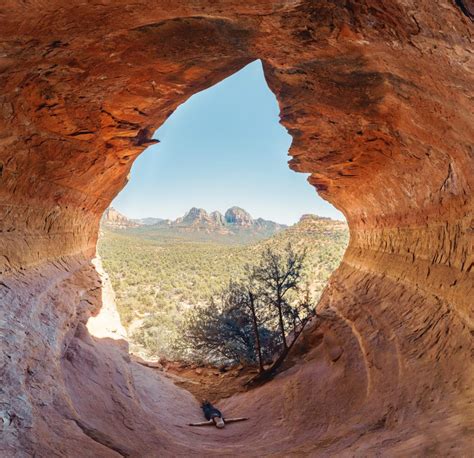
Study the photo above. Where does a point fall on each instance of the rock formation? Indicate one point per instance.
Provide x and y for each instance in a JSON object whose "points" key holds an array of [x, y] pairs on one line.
{"points": [[218, 218], [112, 218], [238, 216], [378, 99], [196, 217], [234, 221]]}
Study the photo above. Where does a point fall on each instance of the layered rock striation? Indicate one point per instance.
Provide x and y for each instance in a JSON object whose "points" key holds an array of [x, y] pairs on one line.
{"points": [[378, 99]]}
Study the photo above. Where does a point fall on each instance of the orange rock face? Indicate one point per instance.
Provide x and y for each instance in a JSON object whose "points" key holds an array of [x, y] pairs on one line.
{"points": [[378, 99]]}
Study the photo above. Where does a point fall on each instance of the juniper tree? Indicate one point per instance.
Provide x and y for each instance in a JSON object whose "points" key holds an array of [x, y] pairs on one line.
{"points": [[227, 329], [278, 274], [248, 322], [242, 296]]}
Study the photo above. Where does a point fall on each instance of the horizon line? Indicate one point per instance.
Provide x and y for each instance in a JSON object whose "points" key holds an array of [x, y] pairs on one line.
{"points": [[223, 213]]}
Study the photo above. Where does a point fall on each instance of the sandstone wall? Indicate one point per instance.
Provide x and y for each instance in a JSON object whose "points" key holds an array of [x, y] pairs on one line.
{"points": [[378, 99]]}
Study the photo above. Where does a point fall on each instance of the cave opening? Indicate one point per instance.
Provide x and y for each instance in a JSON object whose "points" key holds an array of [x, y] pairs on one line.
{"points": [[388, 370], [195, 216]]}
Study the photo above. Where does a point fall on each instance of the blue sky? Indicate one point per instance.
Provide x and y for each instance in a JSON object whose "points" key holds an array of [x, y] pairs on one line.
{"points": [[222, 147]]}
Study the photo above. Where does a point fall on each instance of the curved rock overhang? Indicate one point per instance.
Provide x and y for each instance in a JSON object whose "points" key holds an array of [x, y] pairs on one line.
{"points": [[378, 99]]}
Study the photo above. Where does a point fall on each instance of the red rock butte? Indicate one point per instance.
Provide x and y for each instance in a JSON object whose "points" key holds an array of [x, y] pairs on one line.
{"points": [[378, 97]]}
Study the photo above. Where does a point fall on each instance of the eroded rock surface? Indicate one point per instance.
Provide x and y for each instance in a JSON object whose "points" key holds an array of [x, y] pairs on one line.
{"points": [[378, 99], [115, 220]]}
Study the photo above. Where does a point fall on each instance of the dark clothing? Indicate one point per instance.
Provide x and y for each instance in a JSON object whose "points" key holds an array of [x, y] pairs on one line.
{"points": [[210, 411]]}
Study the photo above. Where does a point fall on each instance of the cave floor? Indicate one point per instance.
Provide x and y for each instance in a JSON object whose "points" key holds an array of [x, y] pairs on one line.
{"points": [[135, 410]]}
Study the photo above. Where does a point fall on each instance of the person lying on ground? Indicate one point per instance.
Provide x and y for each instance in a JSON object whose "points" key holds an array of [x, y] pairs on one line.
{"points": [[214, 417]]}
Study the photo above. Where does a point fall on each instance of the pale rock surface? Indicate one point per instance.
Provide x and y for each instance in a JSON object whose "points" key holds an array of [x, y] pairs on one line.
{"points": [[107, 323]]}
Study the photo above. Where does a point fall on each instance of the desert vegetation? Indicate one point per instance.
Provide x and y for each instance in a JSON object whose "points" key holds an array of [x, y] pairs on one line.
{"points": [[169, 286], [255, 315]]}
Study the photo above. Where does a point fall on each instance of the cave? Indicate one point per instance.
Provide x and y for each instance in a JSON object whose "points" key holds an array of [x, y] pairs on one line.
{"points": [[378, 99]]}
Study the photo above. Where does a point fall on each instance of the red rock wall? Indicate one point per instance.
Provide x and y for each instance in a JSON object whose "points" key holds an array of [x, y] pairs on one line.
{"points": [[378, 99]]}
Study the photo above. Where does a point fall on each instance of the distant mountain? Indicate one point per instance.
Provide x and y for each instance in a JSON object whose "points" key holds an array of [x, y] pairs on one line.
{"points": [[198, 218], [150, 221], [235, 223], [238, 217], [235, 220], [268, 226], [218, 218], [310, 229], [113, 219]]}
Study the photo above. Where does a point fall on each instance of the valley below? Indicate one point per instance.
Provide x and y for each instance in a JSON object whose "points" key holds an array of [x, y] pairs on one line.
{"points": [[159, 271]]}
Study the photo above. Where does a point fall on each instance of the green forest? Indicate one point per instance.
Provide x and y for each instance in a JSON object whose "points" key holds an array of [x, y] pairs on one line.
{"points": [[158, 277]]}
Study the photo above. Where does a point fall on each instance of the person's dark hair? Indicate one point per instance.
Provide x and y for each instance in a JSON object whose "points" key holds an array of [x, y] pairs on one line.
{"points": [[210, 411]]}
